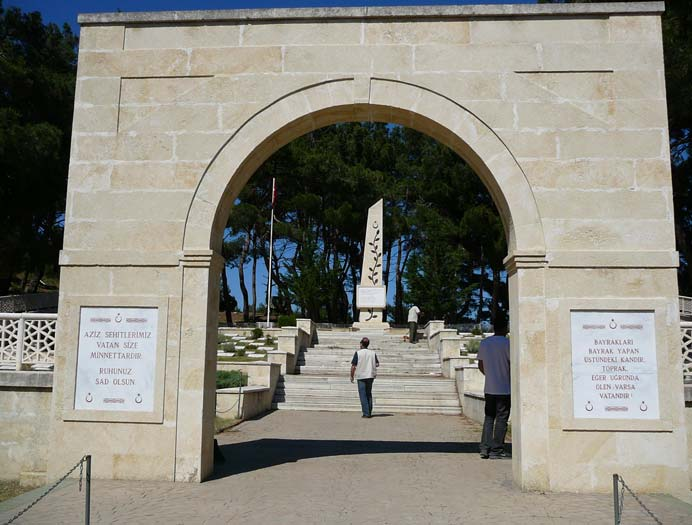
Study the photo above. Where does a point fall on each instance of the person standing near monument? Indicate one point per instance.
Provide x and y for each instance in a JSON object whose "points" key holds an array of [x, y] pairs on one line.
{"points": [[493, 362], [364, 368], [413, 314]]}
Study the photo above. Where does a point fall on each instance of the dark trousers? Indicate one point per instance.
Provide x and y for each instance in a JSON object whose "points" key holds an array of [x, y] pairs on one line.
{"points": [[365, 394], [412, 332], [495, 424]]}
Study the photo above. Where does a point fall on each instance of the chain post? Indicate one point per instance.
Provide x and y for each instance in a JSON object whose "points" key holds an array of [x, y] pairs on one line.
{"points": [[616, 503], [87, 495]]}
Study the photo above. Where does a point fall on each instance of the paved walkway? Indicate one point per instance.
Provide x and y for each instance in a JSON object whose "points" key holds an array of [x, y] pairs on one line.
{"points": [[333, 468]]}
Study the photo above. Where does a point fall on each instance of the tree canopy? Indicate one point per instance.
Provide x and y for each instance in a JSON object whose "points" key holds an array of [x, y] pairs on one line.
{"points": [[37, 78], [441, 230]]}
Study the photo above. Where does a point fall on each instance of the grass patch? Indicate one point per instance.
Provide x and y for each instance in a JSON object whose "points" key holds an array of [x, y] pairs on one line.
{"points": [[241, 359], [11, 489], [222, 423], [230, 379]]}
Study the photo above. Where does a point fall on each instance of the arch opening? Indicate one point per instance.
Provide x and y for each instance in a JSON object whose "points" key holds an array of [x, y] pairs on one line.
{"points": [[318, 106]]}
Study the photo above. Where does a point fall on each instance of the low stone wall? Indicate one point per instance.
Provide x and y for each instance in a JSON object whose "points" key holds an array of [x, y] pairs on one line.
{"points": [[242, 403], [291, 340], [25, 404], [473, 405], [254, 399]]}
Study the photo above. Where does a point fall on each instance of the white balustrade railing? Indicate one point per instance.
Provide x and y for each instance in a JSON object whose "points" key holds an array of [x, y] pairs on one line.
{"points": [[27, 341], [686, 334]]}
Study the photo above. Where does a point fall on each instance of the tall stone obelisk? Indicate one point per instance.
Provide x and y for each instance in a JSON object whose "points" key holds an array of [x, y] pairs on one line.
{"points": [[371, 295]]}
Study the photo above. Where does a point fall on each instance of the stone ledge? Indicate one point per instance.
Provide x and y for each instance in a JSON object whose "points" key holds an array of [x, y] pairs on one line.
{"points": [[245, 390], [26, 380], [475, 395], [360, 13]]}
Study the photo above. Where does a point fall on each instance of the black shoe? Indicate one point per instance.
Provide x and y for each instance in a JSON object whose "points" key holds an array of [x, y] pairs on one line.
{"points": [[501, 455], [363, 416], [484, 455]]}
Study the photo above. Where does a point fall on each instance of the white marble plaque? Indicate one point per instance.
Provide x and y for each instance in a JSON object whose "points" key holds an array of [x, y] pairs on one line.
{"points": [[371, 297], [116, 359], [614, 371]]}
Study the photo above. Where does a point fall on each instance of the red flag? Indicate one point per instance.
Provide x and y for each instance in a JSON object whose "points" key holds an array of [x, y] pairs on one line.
{"points": [[273, 193]]}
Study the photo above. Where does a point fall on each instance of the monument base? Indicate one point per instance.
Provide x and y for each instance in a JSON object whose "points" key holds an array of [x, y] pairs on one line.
{"points": [[371, 325]]}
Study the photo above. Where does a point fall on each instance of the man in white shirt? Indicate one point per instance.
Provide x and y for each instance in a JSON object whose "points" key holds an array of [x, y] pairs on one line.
{"points": [[364, 368], [413, 314], [493, 362]]}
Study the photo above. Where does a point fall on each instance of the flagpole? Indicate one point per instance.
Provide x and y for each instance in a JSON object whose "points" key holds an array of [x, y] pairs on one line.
{"points": [[271, 247]]}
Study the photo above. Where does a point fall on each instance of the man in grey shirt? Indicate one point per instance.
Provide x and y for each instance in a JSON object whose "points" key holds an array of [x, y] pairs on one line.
{"points": [[493, 362]]}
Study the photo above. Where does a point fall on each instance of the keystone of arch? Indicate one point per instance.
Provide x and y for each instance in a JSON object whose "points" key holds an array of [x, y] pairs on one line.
{"points": [[359, 99]]}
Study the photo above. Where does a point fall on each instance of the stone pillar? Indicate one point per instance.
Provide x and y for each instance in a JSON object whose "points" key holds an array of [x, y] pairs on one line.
{"points": [[526, 280], [372, 316], [194, 453]]}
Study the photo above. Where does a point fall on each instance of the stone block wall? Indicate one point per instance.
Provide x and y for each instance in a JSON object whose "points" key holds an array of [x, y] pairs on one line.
{"points": [[560, 110], [25, 401]]}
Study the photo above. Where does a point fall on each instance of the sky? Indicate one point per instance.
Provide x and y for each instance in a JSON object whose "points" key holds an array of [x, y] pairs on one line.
{"points": [[59, 12]]}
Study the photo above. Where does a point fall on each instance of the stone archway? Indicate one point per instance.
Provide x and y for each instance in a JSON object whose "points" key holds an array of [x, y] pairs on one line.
{"points": [[560, 109], [339, 100]]}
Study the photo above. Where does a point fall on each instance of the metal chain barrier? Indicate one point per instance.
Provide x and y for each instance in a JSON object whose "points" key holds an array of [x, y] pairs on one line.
{"points": [[85, 459], [619, 487]]}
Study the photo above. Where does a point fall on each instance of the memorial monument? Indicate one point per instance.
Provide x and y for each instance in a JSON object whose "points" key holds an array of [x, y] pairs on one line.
{"points": [[371, 295]]}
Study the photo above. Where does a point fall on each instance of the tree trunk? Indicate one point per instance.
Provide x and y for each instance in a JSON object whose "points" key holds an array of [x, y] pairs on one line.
{"points": [[254, 277], [479, 314], [494, 305], [25, 281], [399, 290], [241, 278], [226, 297], [385, 274], [354, 278], [35, 283]]}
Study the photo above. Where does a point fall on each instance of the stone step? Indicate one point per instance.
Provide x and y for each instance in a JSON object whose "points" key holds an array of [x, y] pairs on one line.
{"points": [[344, 378], [401, 409], [347, 356], [379, 394], [380, 401], [433, 385], [349, 353], [318, 370], [326, 360], [347, 386]]}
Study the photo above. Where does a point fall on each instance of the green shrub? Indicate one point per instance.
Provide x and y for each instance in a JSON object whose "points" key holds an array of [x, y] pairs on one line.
{"points": [[473, 346], [227, 347], [286, 320], [269, 341], [224, 339], [230, 379], [257, 333], [476, 330], [240, 352]]}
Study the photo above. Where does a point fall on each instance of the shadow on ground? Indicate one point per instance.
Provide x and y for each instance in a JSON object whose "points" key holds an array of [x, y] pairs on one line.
{"points": [[263, 453]]}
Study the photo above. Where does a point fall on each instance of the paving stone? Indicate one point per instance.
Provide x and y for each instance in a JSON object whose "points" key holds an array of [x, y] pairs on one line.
{"points": [[298, 468]]}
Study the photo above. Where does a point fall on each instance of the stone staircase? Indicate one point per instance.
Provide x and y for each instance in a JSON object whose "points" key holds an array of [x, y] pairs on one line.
{"points": [[409, 379]]}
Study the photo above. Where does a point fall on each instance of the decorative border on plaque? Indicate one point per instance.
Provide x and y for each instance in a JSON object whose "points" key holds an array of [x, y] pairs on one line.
{"points": [[77, 409], [563, 337]]}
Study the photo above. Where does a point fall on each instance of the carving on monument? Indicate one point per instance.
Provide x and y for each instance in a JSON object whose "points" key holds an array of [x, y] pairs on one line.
{"points": [[377, 253], [371, 295]]}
